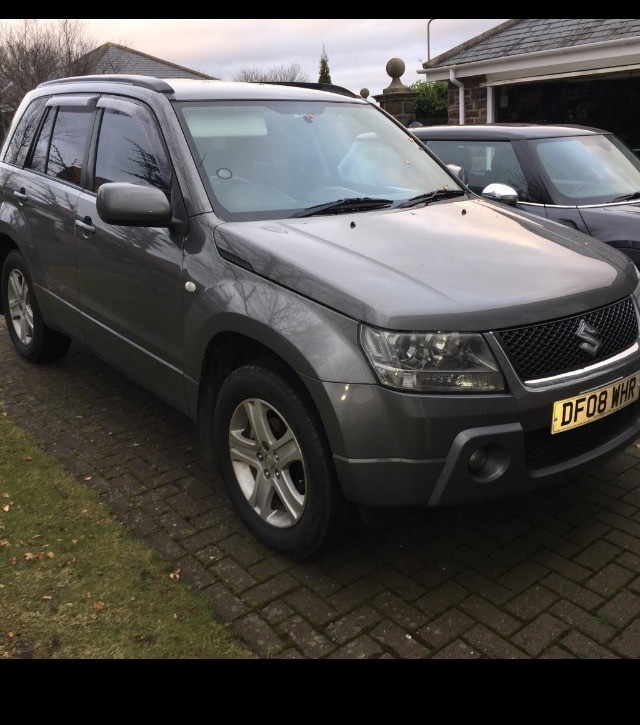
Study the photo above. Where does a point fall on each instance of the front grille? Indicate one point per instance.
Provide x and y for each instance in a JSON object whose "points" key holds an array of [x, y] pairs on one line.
{"points": [[552, 348], [543, 449]]}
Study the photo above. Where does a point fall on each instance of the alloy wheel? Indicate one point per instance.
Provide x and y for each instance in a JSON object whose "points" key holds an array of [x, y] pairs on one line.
{"points": [[20, 309], [268, 463]]}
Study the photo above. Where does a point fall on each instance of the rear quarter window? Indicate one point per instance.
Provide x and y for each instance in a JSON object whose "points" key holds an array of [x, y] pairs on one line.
{"points": [[22, 137]]}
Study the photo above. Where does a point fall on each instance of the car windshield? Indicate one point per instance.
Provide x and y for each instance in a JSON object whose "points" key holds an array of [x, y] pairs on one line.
{"points": [[275, 159], [593, 169]]}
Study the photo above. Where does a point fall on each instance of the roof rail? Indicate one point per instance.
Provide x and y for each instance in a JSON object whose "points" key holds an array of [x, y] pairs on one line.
{"points": [[153, 84], [315, 86]]}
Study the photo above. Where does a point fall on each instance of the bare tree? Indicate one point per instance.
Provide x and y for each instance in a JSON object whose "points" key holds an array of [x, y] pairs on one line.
{"points": [[32, 52], [290, 72]]}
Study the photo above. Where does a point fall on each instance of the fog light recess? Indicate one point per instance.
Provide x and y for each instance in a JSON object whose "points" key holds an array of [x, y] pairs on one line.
{"points": [[488, 462], [477, 459]]}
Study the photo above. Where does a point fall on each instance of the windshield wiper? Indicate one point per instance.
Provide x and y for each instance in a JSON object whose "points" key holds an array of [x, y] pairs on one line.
{"points": [[431, 196], [344, 205], [625, 197]]}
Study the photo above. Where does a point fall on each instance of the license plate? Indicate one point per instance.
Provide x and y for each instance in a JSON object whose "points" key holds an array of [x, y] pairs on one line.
{"points": [[583, 409]]}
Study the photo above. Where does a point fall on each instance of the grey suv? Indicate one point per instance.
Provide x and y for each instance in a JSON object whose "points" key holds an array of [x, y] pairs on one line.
{"points": [[293, 270]]}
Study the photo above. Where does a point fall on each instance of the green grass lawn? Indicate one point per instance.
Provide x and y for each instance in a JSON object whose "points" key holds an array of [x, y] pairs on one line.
{"points": [[75, 583]]}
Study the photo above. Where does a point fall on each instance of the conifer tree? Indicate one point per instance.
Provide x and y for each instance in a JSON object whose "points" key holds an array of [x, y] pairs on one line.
{"points": [[325, 76]]}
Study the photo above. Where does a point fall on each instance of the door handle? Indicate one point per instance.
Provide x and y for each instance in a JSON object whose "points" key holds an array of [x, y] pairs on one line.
{"points": [[86, 225], [21, 194]]}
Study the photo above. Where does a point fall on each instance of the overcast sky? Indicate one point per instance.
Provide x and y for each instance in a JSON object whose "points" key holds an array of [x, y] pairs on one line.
{"points": [[358, 50]]}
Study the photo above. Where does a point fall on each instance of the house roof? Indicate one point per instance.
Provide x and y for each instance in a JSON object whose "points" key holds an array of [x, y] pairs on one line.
{"points": [[519, 36], [114, 58]]}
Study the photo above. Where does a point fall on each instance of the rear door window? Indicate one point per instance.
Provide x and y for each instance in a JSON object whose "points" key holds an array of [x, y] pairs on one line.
{"points": [[68, 144]]}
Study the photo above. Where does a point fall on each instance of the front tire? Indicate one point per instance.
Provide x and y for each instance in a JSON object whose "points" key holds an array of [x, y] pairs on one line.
{"points": [[32, 339], [275, 461]]}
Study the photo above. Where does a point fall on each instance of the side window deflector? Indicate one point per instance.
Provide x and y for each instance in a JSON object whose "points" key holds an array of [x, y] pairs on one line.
{"points": [[115, 104], [77, 100]]}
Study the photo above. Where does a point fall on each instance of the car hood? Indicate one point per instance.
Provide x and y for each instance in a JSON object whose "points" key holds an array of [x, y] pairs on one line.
{"points": [[613, 222], [459, 264]]}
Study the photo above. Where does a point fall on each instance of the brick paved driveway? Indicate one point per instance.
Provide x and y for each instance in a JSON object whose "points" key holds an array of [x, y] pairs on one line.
{"points": [[550, 575]]}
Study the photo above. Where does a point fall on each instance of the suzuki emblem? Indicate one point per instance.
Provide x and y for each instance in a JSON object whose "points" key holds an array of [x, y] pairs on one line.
{"points": [[588, 334]]}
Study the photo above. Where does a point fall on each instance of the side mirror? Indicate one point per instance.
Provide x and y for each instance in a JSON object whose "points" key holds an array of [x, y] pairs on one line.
{"points": [[502, 193], [131, 205], [459, 173]]}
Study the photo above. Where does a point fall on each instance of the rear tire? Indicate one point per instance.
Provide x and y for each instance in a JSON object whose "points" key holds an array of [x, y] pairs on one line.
{"points": [[32, 339], [275, 460]]}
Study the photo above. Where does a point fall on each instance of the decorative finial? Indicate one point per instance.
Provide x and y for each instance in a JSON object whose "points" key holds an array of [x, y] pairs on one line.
{"points": [[395, 68]]}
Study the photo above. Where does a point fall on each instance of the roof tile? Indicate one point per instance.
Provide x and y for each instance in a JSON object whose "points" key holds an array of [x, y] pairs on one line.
{"points": [[114, 58], [531, 35]]}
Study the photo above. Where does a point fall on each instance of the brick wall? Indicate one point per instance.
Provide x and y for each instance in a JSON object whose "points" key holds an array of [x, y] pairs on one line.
{"points": [[475, 101]]}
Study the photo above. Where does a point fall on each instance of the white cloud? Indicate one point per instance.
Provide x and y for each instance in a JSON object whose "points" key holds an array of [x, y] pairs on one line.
{"points": [[358, 50]]}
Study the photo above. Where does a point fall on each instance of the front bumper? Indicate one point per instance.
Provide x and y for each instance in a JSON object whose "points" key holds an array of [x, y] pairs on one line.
{"points": [[397, 449]]}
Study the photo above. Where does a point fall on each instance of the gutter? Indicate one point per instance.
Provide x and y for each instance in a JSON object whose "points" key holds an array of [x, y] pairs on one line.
{"points": [[460, 84]]}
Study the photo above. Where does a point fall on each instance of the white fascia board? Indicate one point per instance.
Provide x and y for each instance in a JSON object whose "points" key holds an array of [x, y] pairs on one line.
{"points": [[495, 80], [594, 55]]}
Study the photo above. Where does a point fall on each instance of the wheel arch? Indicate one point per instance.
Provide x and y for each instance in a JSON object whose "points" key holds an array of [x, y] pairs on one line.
{"points": [[7, 245], [225, 352]]}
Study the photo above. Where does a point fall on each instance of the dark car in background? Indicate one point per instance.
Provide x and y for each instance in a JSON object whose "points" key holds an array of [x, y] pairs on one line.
{"points": [[584, 178]]}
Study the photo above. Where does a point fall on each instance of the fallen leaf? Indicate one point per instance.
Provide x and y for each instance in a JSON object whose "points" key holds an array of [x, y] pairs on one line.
{"points": [[29, 556], [10, 634], [88, 478], [5, 495], [40, 555], [13, 560], [4, 414], [98, 606], [27, 458], [175, 575], [46, 597], [6, 507], [74, 541], [88, 595], [4, 542], [50, 554], [175, 616]]}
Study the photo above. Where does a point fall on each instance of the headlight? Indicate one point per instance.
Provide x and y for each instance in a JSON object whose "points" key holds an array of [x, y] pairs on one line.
{"points": [[437, 362]]}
